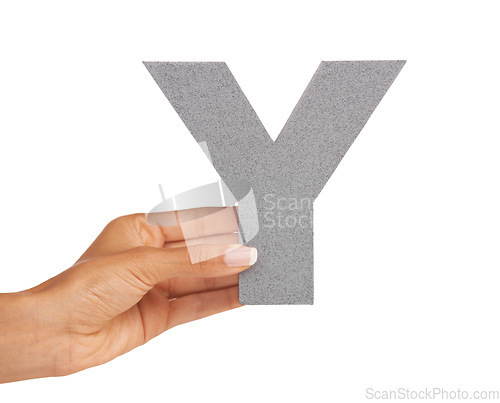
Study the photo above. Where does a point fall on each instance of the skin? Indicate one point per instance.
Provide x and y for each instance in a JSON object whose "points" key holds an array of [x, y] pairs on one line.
{"points": [[133, 283]]}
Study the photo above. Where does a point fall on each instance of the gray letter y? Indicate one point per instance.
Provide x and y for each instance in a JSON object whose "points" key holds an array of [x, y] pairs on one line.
{"points": [[325, 122]]}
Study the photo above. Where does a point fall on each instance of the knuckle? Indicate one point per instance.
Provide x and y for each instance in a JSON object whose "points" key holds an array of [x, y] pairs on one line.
{"points": [[140, 259], [124, 220]]}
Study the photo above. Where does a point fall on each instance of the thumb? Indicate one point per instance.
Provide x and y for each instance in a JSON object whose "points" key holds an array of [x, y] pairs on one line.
{"points": [[151, 265], [143, 267]]}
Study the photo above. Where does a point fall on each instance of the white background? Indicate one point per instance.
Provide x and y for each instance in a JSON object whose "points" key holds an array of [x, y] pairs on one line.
{"points": [[407, 231]]}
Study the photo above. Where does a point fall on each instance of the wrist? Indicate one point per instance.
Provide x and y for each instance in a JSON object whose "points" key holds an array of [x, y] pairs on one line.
{"points": [[31, 345]]}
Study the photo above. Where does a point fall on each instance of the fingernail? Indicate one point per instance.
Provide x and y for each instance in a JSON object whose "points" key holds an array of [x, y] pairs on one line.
{"points": [[242, 256]]}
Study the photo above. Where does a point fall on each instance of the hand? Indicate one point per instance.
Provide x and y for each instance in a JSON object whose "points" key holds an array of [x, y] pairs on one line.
{"points": [[134, 282]]}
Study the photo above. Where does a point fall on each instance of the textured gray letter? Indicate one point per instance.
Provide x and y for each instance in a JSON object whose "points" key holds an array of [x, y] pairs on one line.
{"points": [[286, 175]]}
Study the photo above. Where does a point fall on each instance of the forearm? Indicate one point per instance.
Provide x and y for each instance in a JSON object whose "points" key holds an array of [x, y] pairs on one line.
{"points": [[30, 346]]}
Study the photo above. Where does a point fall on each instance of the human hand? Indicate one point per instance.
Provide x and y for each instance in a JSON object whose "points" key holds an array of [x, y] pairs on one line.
{"points": [[134, 282]]}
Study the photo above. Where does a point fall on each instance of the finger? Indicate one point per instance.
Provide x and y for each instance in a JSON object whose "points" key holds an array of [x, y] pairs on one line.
{"points": [[197, 306], [153, 310], [214, 239], [156, 229], [145, 320], [180, 286], [195, 223], [145, 267]]}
